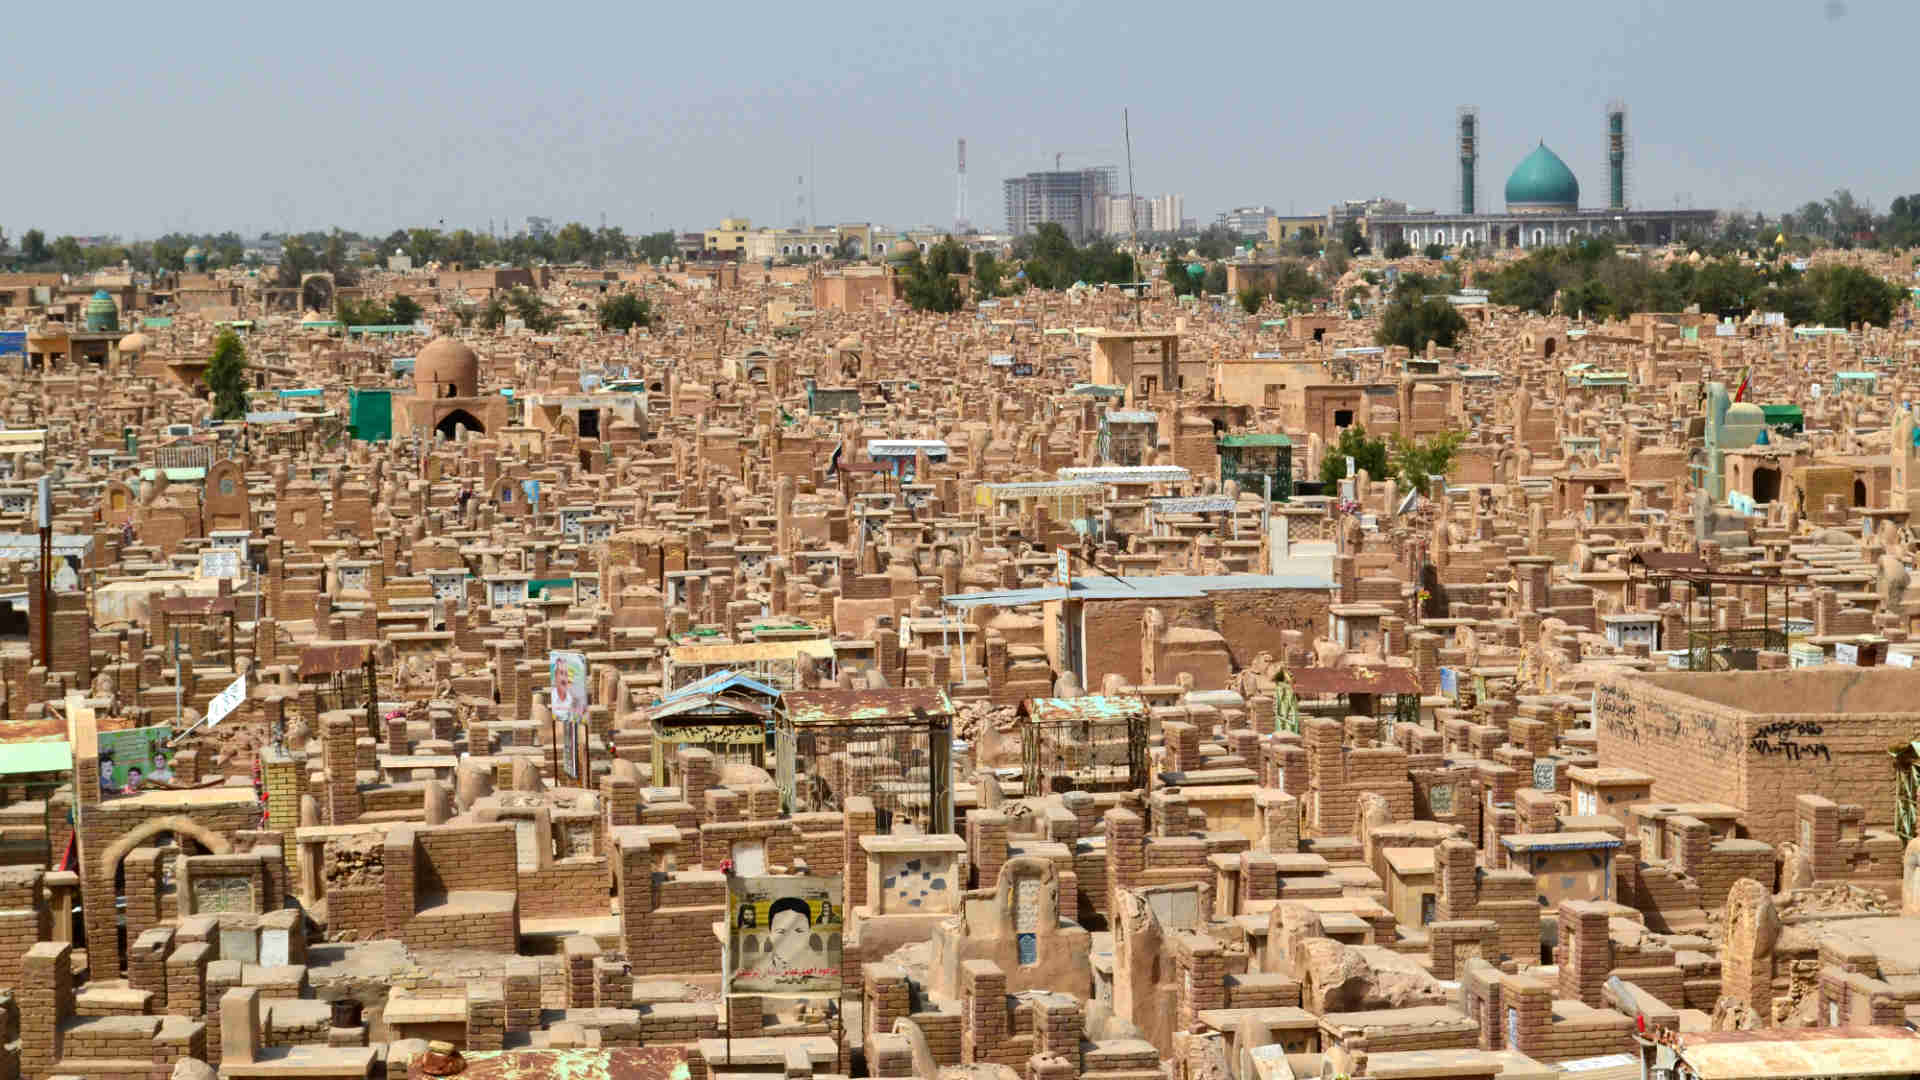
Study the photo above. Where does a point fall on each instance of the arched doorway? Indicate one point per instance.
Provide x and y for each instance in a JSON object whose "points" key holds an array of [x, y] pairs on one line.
{"points": [[1547, 352], [316, 293], [1513, 236], [456, 417], [1859, 492], [1766, 485]]}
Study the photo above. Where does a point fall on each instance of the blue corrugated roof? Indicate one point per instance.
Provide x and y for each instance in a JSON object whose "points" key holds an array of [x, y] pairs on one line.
{"points": [[719, 682]]}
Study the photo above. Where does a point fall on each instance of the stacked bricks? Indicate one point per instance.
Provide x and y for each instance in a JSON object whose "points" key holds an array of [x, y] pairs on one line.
{"points": [[1588, 953], [522, 1000], [1126, 849], [486, 1014], [342, 804], [987, 841], [1454, 942], [983, 1039], [1058, 1027], [24, 919], [147, 964], [45, 996], [581, 951], [886, 996], [612, 984], [1202, 977]]}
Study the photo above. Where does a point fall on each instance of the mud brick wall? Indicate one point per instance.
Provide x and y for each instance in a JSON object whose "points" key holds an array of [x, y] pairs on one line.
{"points": [[1728, 861], [465, 857], [356, 914], [45, 997], [1261, 991], [678, 1022], [24, 919], [187, 978], [821, 842], [147, 965], [574, 887], [986, 1009], [885, 996], [678, 931]]}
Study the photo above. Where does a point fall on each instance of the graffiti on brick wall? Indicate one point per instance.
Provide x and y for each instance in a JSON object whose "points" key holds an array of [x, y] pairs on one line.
{"points": [[1619, 714], [1791, 739]]}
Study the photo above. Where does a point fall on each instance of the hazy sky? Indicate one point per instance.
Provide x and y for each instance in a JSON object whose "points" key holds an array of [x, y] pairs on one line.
{"points": [[142, 118]]}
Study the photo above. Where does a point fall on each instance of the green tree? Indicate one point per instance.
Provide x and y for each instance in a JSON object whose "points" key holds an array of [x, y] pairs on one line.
{"points": [[494, 315], [1417, 462], [1367, 454], [367, 312], [33, 248], [226, 377], [1216, 242], [931, 289], [988, 275], [1250, 300], [656, 246], [624, 311], [1397, 248], [67, 254], [1352, 242], [1412, 321], [1214, 282], [405, 311], [1435, 251], [533, 311], [1849, 294]]}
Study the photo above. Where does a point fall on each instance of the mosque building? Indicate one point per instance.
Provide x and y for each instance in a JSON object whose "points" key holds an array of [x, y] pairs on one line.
{"points": [[1542, 203]]}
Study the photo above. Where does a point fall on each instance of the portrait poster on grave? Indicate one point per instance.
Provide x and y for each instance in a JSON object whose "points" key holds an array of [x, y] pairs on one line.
{"points": [[569, 702], [784, 935], [133, 758]]}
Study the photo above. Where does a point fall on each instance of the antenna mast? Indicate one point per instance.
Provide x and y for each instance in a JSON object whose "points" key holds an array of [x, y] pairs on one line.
{"points": [[1133, 214]]}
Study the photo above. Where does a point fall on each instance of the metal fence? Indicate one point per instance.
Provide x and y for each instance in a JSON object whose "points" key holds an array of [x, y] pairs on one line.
{"points": [[1731, 650], [904, 765], [1084, 753]]}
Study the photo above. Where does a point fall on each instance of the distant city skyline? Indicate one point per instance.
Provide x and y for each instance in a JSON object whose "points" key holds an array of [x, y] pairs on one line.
{"points": [[186, 121]]}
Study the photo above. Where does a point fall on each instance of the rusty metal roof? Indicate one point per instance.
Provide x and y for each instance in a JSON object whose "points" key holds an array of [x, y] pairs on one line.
{"points": [[197, 605], [332, 659], [862, 706], [1314, 681], [1095, 707], [625, 1063], [1796, 1052]]}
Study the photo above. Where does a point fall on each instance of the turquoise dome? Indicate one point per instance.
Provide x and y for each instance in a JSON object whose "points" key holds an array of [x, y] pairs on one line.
{"points": [[101, 314], [1542, 182], [195, 259]]}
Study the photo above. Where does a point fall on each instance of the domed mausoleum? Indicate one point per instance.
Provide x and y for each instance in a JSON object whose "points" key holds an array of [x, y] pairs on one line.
{"points": [[1542, 201], [446, 393], [1541, 184]]}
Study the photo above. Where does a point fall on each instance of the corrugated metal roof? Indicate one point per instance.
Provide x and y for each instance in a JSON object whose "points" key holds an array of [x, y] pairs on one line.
{"points": [[844, 706], [1755, 1055], [1353, 680], [1127, 474], [1091, 707], [625, 1063], [1096, 586], [818, 648], [718, 683]]}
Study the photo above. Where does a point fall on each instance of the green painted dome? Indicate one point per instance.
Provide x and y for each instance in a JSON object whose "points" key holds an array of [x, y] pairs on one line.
{"points": [[195, 259], [1542, 182], [101, 314]]}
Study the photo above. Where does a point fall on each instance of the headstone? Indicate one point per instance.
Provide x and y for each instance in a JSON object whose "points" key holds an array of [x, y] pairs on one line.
{"points": [[239, 943]]}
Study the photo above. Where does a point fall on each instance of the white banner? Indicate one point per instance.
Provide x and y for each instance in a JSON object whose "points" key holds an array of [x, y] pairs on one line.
{"points": [[234, 696]]}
